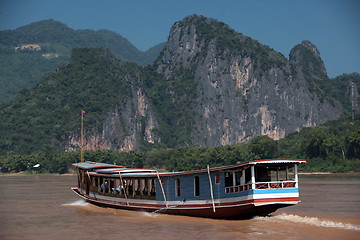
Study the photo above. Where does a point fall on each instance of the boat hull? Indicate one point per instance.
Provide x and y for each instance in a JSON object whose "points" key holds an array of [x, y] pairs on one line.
{"points": [[241, 209]]}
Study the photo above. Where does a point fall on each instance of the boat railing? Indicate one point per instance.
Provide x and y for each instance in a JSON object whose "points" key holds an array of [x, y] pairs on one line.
{"points": [[276, 184], [261, 185]]}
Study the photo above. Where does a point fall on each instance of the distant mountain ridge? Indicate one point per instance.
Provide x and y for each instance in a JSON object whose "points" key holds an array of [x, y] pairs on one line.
{"points": [[210, 86], [22, 66]]}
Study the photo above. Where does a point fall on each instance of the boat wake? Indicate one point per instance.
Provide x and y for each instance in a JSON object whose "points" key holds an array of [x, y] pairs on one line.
{"points": [[78, 203], [310, 221], [149, 214]]}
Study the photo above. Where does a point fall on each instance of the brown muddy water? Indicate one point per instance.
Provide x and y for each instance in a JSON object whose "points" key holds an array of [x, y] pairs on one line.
{"points": [[44, 207]]}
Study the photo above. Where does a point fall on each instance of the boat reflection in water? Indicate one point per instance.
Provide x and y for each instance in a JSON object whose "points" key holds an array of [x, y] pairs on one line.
{"points": [[231, 192]]}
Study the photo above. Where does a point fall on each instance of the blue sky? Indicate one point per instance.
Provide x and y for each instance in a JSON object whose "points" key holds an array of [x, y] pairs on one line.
{"points": [[332, 25]]}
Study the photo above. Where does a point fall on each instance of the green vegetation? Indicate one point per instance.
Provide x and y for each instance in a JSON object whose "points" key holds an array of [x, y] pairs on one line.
{"points": [[341, 86], [23, 68], [333, 147], [40, 118], [19, 70], [172, 99]]}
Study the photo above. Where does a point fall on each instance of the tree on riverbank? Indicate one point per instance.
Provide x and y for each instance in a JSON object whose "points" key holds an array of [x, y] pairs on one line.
{"points": [[333, 147]]}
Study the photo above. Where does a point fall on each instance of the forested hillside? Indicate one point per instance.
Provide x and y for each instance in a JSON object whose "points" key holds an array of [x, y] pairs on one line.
{"points": [[44, 117], [340, 89], [29, 52]]}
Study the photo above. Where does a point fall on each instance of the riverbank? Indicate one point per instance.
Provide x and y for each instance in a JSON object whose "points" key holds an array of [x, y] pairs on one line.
{"points": [[24, 173], [330, 173]]}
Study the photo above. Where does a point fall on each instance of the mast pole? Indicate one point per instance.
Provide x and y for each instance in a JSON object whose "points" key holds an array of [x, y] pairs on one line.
{"points": [[82, 137], [352, 100]]}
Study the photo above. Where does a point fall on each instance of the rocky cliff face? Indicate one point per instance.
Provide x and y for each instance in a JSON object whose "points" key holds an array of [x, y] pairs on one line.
{"points": [[124, 128], [130, 120], [243, 89]]}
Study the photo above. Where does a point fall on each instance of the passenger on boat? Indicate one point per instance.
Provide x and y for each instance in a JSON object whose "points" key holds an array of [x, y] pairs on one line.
{"points": [[104, 187]]}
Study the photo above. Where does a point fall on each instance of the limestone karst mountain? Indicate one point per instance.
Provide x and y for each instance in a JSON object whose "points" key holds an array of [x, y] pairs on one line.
{"points": [[210, 86]]}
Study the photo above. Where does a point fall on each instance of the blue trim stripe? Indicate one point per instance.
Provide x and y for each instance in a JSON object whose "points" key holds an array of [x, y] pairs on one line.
{"points": [[275, 191]]}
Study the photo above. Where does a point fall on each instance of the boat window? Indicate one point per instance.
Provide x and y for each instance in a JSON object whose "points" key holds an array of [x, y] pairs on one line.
{"points": [[247, 175], [262, 174], [269, 173], [92, 181], [116, 189], [130, 187], [142, 188], [196, 186], [95, 181], [104, 187], [136, 189], [228, 179], [291, 173], [153, 188], [112, 184], [281, 174], [100, 188], [217, 178], [177, 187], [238, 175]]}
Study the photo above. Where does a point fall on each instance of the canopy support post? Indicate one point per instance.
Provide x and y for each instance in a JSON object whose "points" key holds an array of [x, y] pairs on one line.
{"points": [[252, 177], [124, 189], [162, 189], [211, 188], [296, 176]]}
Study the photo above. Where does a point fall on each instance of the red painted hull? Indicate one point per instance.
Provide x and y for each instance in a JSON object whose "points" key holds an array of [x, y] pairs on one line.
{"points": [[232, 210]]}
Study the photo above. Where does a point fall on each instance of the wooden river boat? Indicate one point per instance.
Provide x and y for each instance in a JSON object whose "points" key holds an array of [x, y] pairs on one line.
{"points": [[231, 192]]}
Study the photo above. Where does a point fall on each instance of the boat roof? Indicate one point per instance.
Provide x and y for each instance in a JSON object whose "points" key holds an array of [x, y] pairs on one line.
{"points": [[125, 170], [93, 165], [147, 172], [276, 161]]}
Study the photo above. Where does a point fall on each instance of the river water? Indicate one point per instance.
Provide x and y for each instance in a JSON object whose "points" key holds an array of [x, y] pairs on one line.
{"points": [[44, 207]]}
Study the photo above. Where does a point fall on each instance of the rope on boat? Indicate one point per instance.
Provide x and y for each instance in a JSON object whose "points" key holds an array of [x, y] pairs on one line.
{"points": [[211, 188], [165, 208], [162, 189], [122, 184]]}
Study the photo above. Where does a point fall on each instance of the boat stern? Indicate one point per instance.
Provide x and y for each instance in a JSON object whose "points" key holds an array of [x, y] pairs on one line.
{"points": [[280, 196]]}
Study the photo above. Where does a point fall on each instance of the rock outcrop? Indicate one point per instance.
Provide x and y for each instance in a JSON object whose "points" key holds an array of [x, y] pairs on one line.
{"points": [[244, 89]]}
